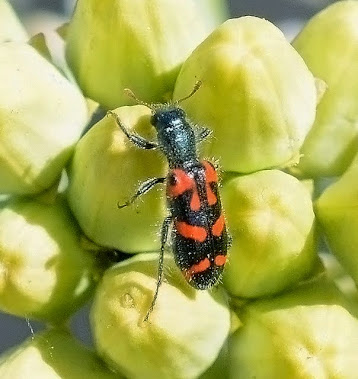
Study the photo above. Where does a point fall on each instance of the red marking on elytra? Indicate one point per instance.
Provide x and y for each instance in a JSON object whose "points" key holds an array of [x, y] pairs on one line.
{"points": [[182, 183], [211, 176], [197, 268], [197, 233], [195, 201], [220, 260], [218, 226], [212, 199]]}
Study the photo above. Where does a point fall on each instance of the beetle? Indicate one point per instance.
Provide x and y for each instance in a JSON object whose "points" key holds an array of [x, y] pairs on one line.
{"points": [[199, 234]]}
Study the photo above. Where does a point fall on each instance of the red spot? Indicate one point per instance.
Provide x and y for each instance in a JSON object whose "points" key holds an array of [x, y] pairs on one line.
{"points": [[211, 176], [179, 182], [220, 260], [218, 226], [197, 268], [195, 202], [197, 233], [212, 199]]}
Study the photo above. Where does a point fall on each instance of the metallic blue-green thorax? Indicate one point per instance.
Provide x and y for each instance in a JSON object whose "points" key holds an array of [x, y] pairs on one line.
{"points": [[175, 136]]}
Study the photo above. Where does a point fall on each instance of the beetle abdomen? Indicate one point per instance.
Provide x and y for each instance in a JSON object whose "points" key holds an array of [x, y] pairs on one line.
{"points": [[199, 233]]}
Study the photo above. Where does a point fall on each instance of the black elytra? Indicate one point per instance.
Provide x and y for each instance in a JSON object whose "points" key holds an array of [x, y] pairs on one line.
{"points": [[199, 236]]}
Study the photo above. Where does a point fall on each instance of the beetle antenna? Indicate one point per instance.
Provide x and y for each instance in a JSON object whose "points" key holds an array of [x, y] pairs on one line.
{"points": [[131, 94], [196, 87]]}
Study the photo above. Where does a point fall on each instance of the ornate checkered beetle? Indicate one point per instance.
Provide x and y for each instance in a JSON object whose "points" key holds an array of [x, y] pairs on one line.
{"points": [[199, 235]]}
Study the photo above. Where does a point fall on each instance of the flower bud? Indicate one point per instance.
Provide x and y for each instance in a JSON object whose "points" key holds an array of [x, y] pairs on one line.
{"points": [[257, 95], [51, 45], [214, 12], [141, 45], [41, 117], [44, 272], [53, 354], [183, 335], [338, 274], [270, 218], [337, 212], [308, 333], [11, 29], [107, 170], [220, 368], [329, 46]]}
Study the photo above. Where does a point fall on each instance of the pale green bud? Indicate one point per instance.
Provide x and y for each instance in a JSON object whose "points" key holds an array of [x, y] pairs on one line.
{"points": [[51, 45], [11, 28], [53, 354], [139, 44], [44, 272], [338, 274], [183, 335], [310, 185], [106, 170], [213, 12], [329, 46], [270, 218], [337, 212], [42, 116], [257, 95], [220, 368], [309, 333]]}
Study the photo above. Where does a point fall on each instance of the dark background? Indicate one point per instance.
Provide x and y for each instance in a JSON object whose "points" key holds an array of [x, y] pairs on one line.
{"points": [[41, 15]]}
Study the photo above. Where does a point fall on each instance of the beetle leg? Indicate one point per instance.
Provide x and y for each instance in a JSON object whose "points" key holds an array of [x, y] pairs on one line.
{"points": [[164, 237], [134, 138], [143, 188], [201, 133]]}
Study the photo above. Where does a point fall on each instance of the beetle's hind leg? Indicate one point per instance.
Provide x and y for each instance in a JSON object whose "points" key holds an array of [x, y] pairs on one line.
{"points": [[143, 188], [164, 237]]}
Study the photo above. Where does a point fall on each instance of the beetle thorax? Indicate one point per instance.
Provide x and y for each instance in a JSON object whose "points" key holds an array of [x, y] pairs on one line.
{"points": [[175, 136]]}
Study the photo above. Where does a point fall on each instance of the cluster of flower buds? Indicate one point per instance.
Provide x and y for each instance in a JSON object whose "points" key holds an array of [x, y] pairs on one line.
{"points": [[283, 118]]}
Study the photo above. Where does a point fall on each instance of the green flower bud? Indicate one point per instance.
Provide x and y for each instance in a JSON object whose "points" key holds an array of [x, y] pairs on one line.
{"points": [[40, 43], [220, 368], [183, 335], [257, 95], [310, 186], [11, 29], [337, 211], [122, 166], [54, 354], [336, 273], [214, 12], [308, 333], [116, 44], [271, 220], [52, 47], [329, 46], [41, 117], [44, 272]]}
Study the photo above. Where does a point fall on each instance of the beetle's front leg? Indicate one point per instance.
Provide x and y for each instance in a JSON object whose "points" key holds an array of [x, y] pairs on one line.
{"points": [[134, 138]]}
